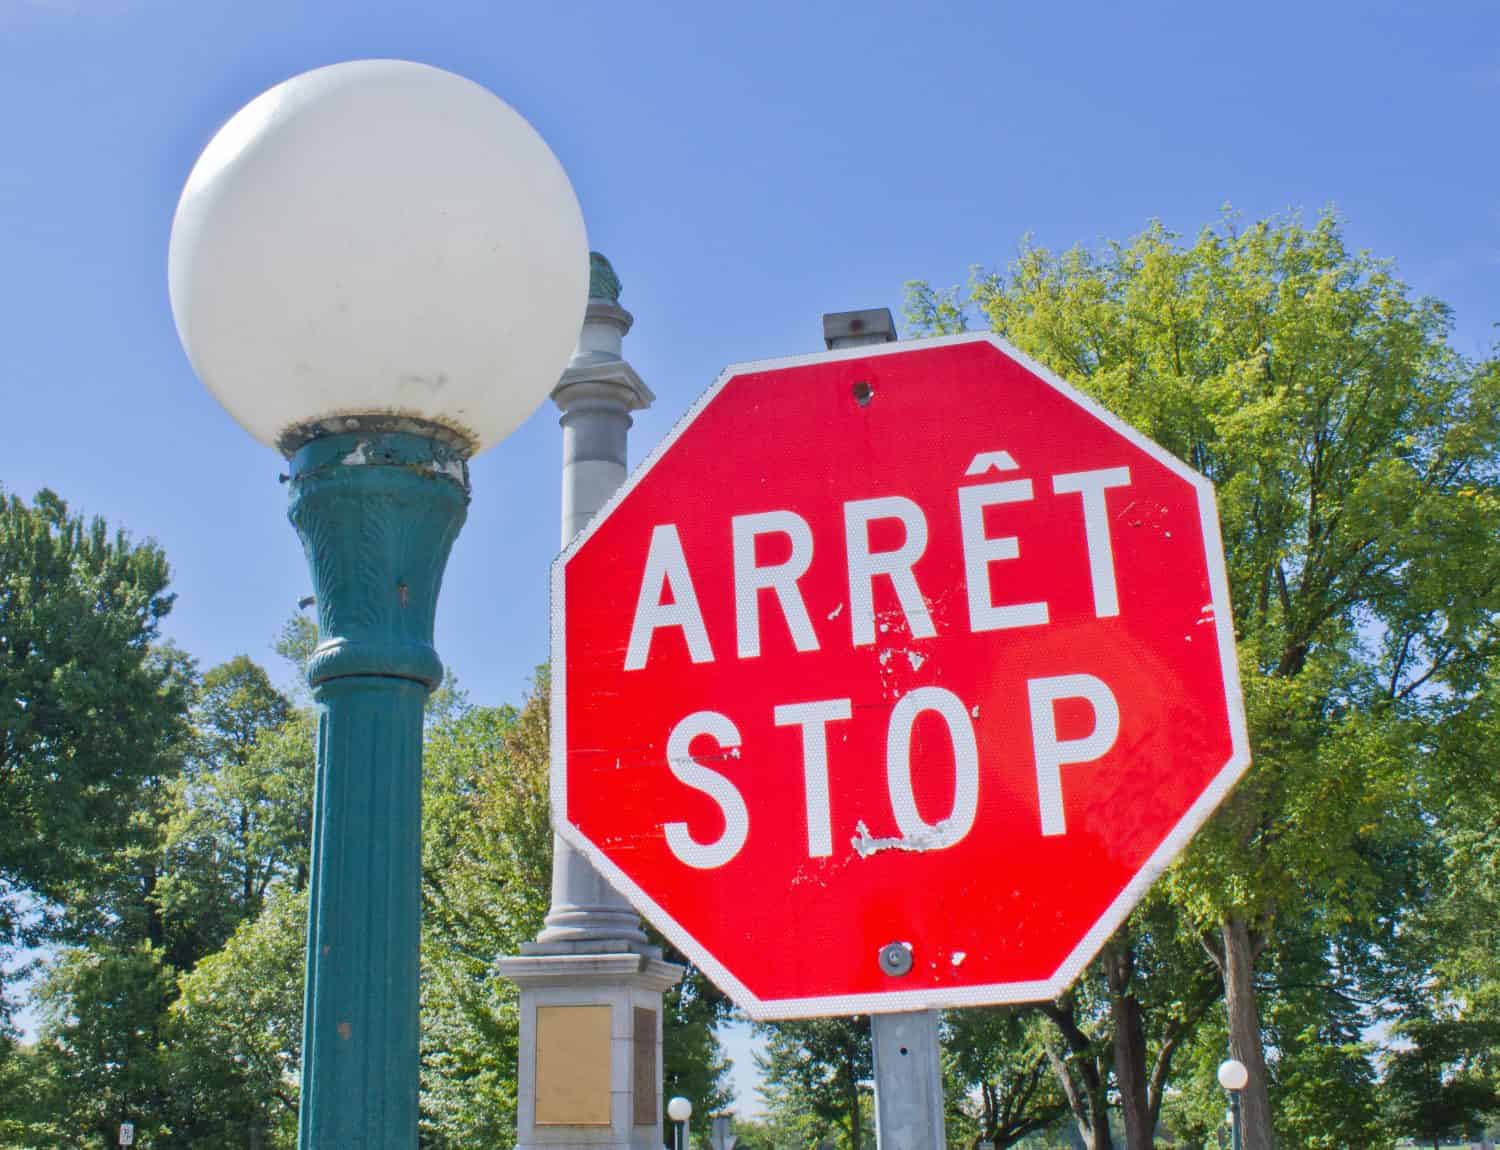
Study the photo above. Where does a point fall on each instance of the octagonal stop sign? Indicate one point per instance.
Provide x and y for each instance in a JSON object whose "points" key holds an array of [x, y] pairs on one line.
{"points": [[892, 679]]}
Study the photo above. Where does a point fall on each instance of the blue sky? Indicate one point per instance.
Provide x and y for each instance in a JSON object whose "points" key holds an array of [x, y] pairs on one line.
{"points": [[746, 168]]}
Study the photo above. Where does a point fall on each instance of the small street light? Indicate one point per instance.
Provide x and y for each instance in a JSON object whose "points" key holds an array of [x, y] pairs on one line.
{"points": [[1232, 1077], [379, 269], [679, 1110]]}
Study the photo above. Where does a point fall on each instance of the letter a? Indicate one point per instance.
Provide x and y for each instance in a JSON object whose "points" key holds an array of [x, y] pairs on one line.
{"points": [[666, 568]]}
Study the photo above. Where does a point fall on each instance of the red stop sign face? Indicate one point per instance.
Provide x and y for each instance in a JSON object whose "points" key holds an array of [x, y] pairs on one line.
{"points": [[893, 678]]}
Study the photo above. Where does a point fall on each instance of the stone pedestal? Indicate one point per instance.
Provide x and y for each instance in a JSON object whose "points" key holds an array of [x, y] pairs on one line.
{"points": [[590, 1071]]}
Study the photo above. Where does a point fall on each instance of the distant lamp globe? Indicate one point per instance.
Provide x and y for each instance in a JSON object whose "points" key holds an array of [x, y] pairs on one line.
{"points": [[679, 1109], [378, 238], [1233, 1075]]}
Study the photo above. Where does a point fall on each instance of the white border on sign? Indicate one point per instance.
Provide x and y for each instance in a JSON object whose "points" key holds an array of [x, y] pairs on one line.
{"points": [[885, 1002]]}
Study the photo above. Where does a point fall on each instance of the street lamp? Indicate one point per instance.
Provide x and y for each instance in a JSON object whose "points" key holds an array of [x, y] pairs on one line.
{"points": [[379, 269], [1232, 1077], [679, 1110]]}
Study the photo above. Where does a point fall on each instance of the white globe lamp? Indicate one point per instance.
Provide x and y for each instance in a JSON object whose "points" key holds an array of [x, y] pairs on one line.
{"points": [[1233, 1075], [679, 1110], [378, 238]]}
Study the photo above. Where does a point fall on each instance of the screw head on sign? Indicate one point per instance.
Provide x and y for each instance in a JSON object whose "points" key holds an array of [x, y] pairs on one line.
{"points": [[895, 958]]}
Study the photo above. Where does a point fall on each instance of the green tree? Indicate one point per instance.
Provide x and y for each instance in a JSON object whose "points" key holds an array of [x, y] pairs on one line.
{"points": [[817, 1075], [487, 866], [211, 841], [1113, 1039], [768, 1132], [1452, 930], [84, 707], [485, 882], [693, 1062], [1438, 1087], [236, 703], [117, 900], [1354, 455], [295, 643], [26, 1087], [101, 1045], [234, 1033], [243, 818], [1316, 1015], [997, 1081]]}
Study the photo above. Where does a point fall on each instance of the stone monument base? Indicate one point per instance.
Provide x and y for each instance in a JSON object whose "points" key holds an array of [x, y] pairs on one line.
{"points": [[590, 1074]]}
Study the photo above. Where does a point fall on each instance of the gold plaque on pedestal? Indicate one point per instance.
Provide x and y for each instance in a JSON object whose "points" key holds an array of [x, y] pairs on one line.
{"points": [[572, 1065]]}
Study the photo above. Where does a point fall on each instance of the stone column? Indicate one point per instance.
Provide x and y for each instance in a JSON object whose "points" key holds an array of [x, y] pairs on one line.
{"points": [[591, 985]]}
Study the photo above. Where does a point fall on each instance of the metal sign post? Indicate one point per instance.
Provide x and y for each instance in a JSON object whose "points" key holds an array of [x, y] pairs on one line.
{"points": [[908, 1056], [908, 1081]]}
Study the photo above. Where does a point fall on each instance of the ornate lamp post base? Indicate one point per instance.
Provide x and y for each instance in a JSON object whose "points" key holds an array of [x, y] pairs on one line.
{"points": [[377, 512]]}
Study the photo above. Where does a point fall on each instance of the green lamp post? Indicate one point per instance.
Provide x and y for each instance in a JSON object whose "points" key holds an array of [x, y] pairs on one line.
{"points": [[379, 269]]}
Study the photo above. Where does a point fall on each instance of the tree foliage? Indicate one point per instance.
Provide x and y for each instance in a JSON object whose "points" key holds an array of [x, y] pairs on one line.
{"points": [[1355, 459], [817, 1074], [997, 1082], [86, 709], [694, 1065], [178, 1006], [234, 1032], [486, 854], [242, 817]]}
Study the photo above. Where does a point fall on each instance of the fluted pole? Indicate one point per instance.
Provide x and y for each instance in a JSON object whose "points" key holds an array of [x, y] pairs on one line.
{"points": [[596, 396], [377, 512]]}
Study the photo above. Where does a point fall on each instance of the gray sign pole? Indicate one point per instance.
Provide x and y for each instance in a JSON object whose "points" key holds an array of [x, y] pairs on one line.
{"points": [[721, 1138], [908, 1074]]}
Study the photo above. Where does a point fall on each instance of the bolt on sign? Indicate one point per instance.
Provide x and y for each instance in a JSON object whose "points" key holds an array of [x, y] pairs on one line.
{"points": [[893, 678]]}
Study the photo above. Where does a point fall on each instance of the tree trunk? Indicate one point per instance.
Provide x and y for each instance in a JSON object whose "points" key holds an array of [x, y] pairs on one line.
{"points": [[1100, 1138], [1244, 1034], [852, 1069], [1130, 1074], [1130, 1048], [1160, 1070], [249, 890], [1087, 1094]]}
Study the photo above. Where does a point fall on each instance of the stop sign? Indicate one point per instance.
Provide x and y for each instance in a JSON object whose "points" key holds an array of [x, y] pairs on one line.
{"points": [[892, 679]]}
